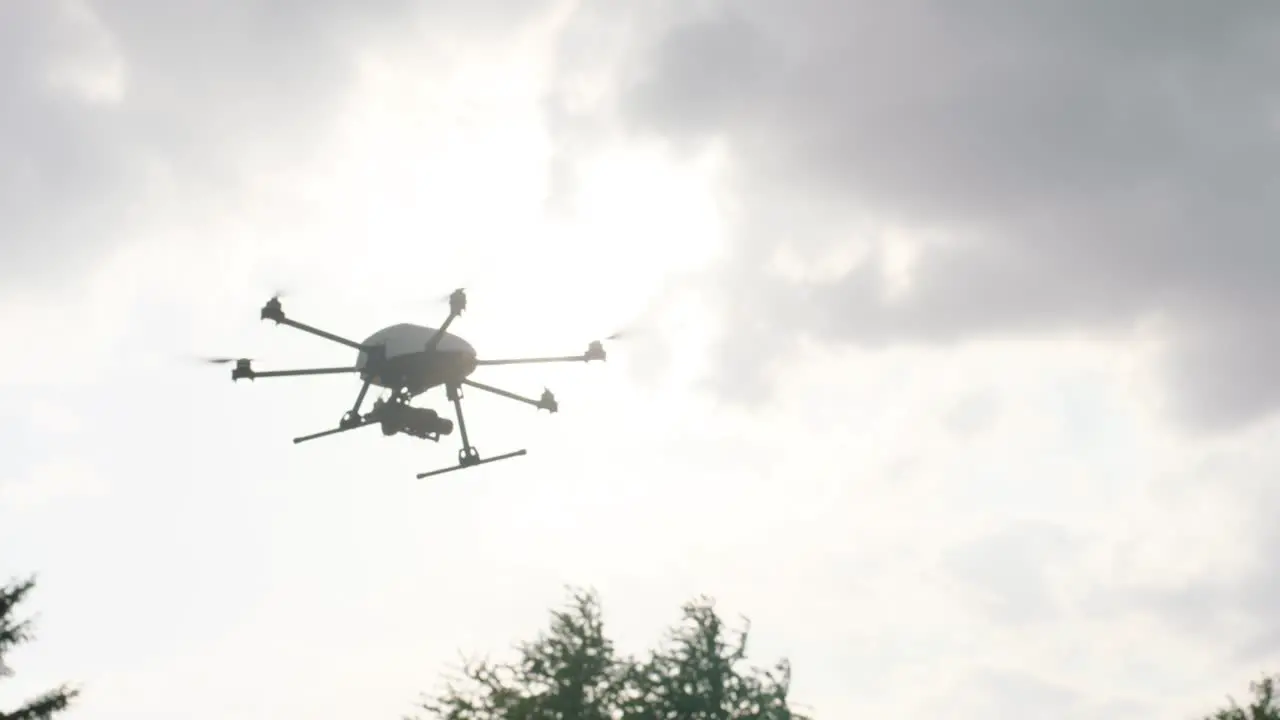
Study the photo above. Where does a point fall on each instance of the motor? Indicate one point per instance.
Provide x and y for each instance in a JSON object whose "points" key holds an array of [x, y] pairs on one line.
{"points": [[424, 423]]}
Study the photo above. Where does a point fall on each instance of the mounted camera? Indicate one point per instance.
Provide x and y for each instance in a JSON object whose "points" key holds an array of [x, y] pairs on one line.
{"points": [[425, 423]]}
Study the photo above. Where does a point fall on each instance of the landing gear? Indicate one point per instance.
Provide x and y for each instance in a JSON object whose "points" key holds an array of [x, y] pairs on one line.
{"points": [[394, 415], [468, 456]]}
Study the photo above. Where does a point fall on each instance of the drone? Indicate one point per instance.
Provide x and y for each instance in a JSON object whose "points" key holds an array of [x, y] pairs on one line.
{"points": [[409, 360]]}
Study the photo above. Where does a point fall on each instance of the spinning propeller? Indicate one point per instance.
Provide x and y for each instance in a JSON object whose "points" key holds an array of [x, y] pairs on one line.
{"points": [[220, 360], [629, 332]]}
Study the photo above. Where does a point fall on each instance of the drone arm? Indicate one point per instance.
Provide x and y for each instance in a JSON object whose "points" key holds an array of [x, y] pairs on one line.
{"points": [[533, 361], [321, 333], [440, 331], [547, 402], [252, 374], [273, 311], [595, 351]]}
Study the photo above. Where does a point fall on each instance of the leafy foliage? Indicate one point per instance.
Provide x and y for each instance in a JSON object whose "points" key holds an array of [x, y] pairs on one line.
{"points": [[573, 672], [699, 675], [570, 672], [1265, 705], [14, 633]]}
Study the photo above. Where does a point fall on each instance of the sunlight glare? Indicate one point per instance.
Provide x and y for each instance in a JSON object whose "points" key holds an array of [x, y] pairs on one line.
{"points": [[638, 221]]}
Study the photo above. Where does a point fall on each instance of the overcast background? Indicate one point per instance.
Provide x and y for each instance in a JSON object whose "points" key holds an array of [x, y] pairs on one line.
{"points": [[958, 376]]}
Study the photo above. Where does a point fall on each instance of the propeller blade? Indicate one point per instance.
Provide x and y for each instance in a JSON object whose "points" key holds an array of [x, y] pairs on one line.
{"points": [[218, 360], [626, 333], [636, 328]]}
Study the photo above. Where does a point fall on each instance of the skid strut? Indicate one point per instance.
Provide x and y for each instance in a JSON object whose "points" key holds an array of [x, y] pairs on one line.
{"points": [[477, 461], [468, 456]]}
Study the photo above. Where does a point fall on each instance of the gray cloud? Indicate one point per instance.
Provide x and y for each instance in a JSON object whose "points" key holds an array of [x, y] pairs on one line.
{"points": [[1085, 166], [1009, 570], [208, 90]]}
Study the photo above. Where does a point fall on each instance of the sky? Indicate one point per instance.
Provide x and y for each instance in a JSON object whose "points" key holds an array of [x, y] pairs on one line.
{"points": [[953, 371]]}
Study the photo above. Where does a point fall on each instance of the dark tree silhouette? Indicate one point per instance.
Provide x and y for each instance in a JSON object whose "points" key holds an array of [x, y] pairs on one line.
{"points": [[573, 672], [15, 632], [701, 674], [569, 672], [1265, 705]]}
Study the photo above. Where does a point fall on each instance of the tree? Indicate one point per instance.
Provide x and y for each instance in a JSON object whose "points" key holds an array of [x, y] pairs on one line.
{"points": [[1265, 705], [14, 633], [570, 672], [700, 674], [573, 672]]}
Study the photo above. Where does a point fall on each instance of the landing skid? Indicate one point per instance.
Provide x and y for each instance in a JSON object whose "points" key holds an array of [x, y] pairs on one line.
{"points": [[473, 459], [468, 456]]}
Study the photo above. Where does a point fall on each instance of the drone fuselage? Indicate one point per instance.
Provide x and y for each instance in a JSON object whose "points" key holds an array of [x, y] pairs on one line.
{"points": [[406, 363]]}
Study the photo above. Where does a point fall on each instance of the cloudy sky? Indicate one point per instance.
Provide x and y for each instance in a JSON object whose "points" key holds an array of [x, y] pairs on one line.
{"points": [[957, 372]]}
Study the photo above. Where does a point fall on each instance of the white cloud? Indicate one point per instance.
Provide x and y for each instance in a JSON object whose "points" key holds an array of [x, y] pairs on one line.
{"points": [[88, 65], [50, 483], [54, 418]]}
